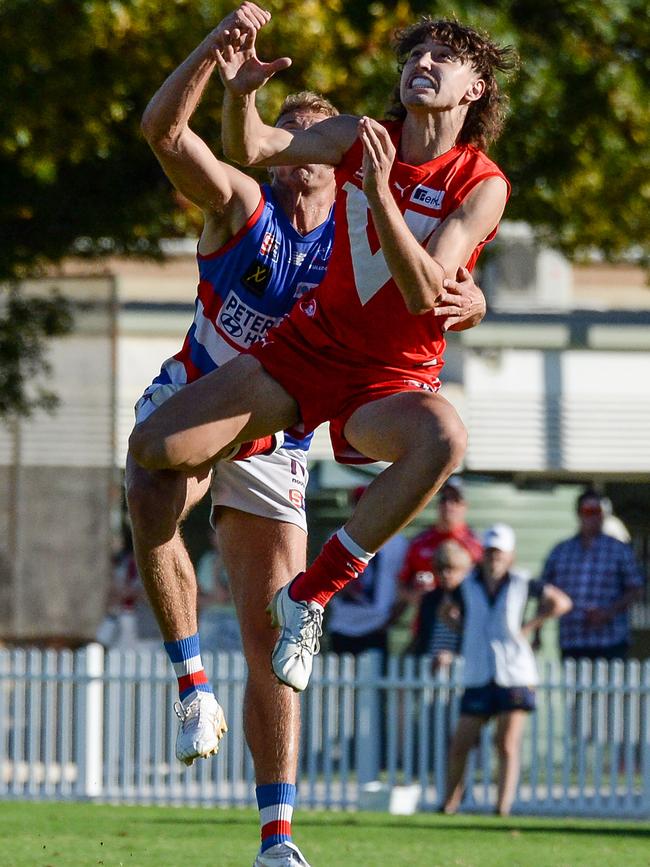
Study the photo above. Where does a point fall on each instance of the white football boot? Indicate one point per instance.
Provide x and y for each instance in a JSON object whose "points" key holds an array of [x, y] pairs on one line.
{"points": [[301, 626], [283, 855], [201, 728]]}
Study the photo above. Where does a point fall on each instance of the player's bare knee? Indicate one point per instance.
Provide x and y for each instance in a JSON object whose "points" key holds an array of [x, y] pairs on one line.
{"points": [[440, 451], [142, 449], [449, 449], [454, 442], [151, 499], [160, 453]]}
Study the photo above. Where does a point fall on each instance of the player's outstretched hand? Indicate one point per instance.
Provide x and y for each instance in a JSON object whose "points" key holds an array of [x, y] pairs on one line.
{"points": [[462, 302], [242, 22], [378, 156], [240, 68]]}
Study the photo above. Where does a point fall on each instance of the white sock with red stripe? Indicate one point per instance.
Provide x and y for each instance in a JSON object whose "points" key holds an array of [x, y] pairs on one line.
{"points": [[340, 561], [185, 656], [275, 802]]}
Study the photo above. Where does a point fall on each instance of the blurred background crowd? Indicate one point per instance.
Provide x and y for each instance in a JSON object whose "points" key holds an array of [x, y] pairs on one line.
{"points": [[396, 606]]}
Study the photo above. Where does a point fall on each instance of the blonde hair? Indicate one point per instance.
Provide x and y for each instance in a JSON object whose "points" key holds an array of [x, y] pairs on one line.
{"points": [[307, 100], [450, 553]]}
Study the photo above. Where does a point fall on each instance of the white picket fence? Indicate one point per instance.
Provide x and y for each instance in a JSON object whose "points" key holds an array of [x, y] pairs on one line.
{"points": [[101, 726]]}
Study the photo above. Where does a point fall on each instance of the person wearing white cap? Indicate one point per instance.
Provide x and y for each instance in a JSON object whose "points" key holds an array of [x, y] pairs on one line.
{"points": [[500, 672]]}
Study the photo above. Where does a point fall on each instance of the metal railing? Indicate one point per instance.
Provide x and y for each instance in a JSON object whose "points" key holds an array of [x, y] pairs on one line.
{"points": [[102, 726]]}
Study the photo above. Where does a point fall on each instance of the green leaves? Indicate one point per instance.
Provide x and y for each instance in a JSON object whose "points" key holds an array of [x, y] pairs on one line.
{"points": [[24, 322], [78, 75]]}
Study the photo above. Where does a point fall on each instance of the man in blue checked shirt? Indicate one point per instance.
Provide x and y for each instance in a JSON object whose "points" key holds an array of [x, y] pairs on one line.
{"points": [[602, 577]]}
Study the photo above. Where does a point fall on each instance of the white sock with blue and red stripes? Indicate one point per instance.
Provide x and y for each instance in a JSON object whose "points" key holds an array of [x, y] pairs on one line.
{"points": [[185, 656], [275, 802]]}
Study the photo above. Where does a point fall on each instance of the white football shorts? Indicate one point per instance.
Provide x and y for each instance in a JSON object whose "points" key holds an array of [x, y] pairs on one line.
{"points": [[271, 486]]}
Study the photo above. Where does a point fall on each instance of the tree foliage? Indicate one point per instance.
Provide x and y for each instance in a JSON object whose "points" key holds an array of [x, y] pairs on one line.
{"points": [[78, 178], [23, 325]]}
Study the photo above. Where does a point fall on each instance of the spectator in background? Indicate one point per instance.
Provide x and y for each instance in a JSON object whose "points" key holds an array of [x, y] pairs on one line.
{"points": [[218, 623], [603, 579], [118, 628], [129, 623], [418, 575], [500, 671], [434, 636], [359, 615]]}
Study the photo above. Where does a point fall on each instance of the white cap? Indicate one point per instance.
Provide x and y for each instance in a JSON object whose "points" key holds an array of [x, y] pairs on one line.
{"points": [[500, 536]]}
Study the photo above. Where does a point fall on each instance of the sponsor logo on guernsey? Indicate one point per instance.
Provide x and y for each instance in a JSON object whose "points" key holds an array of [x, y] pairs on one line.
{"points": [[298, 257], [242, 323], [256, 277], [308, 307], [428, 197], [270, 247]]}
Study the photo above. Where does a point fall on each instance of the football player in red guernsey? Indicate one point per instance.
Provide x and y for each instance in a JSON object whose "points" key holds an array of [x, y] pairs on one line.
{"points": [[417, 199]]}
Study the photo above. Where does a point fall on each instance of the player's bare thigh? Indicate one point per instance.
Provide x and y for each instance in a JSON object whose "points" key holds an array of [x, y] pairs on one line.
{"points": [[260, 555], [390, 428], [235, 403]]}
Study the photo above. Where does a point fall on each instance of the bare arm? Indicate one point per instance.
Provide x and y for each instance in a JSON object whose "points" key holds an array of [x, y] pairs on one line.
{"points": [[465, 286], [420, 273], [248, 140], [553, 603], [463, 230], [218, 189], [597, 617]]}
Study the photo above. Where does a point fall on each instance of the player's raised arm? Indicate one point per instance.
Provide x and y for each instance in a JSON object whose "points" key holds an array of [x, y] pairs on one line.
{"points": [[186, 159], [247, 139]]}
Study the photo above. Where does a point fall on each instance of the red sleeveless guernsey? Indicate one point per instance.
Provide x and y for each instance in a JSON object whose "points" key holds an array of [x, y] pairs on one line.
{"points": [[354, 332], [358, 303]]}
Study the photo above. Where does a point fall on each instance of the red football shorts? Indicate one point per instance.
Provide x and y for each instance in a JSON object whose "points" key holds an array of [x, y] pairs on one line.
{"points": [[327, 387]]}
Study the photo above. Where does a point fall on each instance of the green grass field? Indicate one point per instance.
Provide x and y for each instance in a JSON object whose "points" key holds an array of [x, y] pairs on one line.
{"points": [[84, 835]]}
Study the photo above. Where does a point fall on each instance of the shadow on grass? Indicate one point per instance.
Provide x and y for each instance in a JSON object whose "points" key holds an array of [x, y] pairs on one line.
{"points": [[490, 825]]}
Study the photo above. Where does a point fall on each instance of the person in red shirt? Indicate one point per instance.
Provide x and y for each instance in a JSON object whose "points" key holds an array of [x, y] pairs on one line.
{"points": [[418, 574], [417, 199]]}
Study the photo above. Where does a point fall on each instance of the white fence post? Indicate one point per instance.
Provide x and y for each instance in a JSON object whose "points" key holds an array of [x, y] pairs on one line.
{"points": [[368, 727], [590, 737], [644, 738], [89, 722]]}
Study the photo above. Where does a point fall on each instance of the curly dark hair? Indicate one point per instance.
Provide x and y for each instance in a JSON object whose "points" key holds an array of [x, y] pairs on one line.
{"points": [[485, 117]]}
